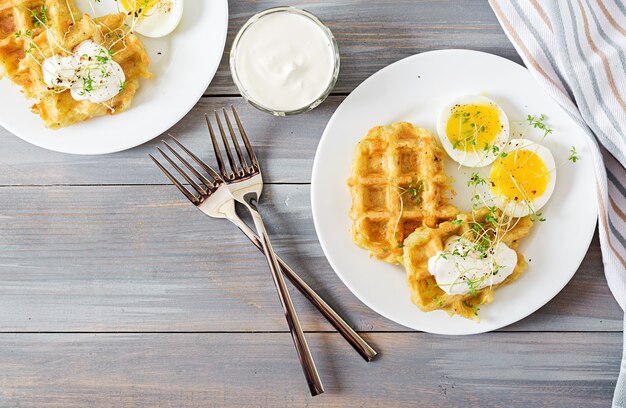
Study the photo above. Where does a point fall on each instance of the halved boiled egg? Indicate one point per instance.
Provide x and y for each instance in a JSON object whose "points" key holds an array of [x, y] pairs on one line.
{"points": [[522, 179], [471, 129], [153, 18]]}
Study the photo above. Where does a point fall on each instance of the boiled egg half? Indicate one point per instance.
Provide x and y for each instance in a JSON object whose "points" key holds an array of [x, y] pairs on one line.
{"points": [[153, 18], [522, 178], [471, 129]]}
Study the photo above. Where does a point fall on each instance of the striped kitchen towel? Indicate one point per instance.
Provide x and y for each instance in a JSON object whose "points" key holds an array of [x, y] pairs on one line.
{"points": [[576, 49]]}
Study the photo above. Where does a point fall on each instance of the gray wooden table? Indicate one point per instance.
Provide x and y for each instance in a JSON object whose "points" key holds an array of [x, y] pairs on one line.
{"points": [[114, 292]]}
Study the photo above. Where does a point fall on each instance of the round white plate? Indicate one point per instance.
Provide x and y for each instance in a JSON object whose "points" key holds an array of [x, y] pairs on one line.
{"points": [[414, 89], [183, 65]]}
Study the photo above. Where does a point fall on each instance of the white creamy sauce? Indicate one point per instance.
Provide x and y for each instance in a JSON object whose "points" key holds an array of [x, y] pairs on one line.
{"points": [[458, 268], [90, 74], [284, 61]]}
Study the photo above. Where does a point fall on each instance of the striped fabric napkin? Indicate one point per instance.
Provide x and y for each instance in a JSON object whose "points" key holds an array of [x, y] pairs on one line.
{"points": [[576, 49]]}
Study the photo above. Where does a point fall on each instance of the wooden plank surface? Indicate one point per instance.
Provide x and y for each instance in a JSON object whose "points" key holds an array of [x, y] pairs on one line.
{"points": [[139, 258], [374, 34], [261, 370], [285, 146], [115, 292], [371, 35]]}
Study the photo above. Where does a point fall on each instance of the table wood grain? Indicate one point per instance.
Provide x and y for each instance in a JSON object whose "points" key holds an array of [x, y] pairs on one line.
{"points": [[115, 292]]}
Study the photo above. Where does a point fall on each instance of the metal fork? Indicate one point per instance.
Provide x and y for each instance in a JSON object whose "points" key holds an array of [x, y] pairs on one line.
{"points": [[222, 206], [245, 184], [215, 200]]}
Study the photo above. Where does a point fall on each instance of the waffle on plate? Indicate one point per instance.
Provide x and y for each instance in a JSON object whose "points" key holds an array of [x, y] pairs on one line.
{"points": [[397, 184], [401, 213], [425, 242], [33, 30]]}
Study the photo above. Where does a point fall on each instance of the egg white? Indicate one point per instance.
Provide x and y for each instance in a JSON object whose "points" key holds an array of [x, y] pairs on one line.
{"points": [[523, 208], [480, 157], [158, 22]]}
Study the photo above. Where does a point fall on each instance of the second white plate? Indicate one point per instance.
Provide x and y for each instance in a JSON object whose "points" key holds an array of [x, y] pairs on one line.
{"points": [[414, 89], [183, 64]]}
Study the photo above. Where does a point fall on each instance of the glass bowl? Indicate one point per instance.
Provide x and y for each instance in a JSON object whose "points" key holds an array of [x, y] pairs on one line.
{"points": [[242, 89]]}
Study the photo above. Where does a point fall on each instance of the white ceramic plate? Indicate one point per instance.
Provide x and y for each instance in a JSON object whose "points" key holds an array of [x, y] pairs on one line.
{"points": [[187, 62], [414, 89]]}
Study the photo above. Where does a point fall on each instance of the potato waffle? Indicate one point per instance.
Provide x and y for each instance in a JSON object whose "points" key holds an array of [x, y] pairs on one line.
{"points": [[425, 242], [398, 184], [25, 45], [18, 26]]}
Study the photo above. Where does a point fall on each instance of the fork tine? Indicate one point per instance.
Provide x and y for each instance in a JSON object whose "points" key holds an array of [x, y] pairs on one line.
{"points": [[180, 171], [200, 163], [253, 159], [216, 150], [173, 179], [195, 172], [242, 159], [229, 153]]}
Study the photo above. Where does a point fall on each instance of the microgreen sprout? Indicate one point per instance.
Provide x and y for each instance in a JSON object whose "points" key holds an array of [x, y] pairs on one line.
{"points": [[537, 216], [414, 190], [103, 56], [471, 286], [87, 84], [573, 157], [476, 180], [538, 122], [491, 218], [39, 18], [475, 309]]}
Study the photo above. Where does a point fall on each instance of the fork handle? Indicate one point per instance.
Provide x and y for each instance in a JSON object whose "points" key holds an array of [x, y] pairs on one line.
{"points": [[302, 348], [348, 333]]}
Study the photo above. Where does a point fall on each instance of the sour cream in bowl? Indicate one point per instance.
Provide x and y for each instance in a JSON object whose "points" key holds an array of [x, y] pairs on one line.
{"points": [[284, 61]]}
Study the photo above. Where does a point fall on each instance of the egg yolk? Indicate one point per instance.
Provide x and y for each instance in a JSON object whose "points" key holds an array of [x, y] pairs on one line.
{"points": [[140, 7], [473, 127], [521, 175]]}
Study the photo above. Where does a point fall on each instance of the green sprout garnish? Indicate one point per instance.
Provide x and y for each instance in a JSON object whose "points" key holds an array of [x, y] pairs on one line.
{"points": [[476, 180], [475, 309], [414, 190], [537, 216], [471, 286], [538, 123], [39, 18], [87, 84], [573, 157]]}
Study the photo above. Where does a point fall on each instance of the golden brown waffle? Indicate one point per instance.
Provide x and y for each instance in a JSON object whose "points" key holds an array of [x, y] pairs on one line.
{"points": [[23, 51], [18, 26], [398, 184], [425, 242]]}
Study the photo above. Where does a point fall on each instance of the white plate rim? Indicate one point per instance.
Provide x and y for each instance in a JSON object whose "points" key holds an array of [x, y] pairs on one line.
{"points": [[316, 221]]}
